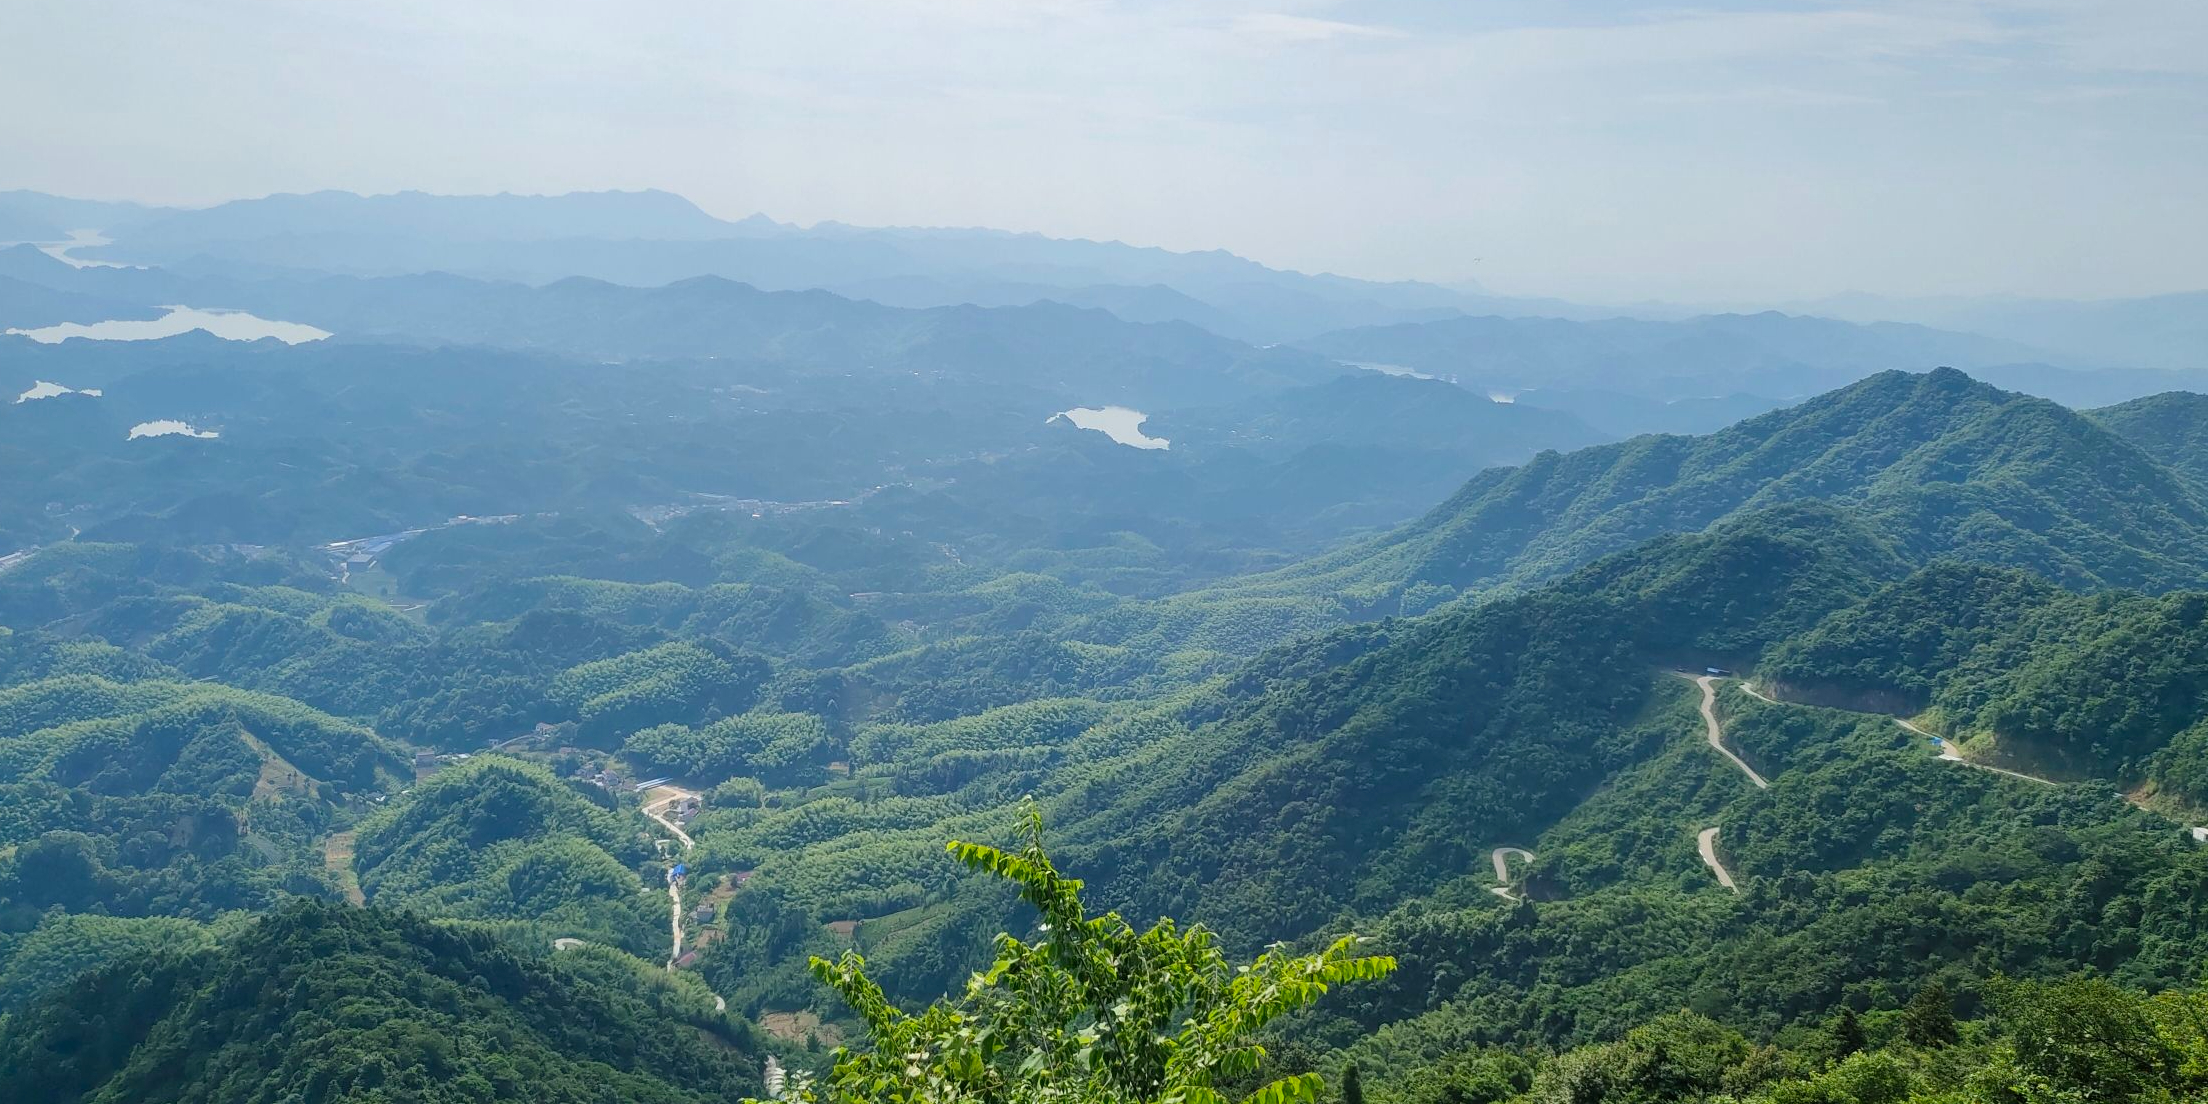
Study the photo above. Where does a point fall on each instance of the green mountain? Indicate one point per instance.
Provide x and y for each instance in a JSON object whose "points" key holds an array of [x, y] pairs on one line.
{"points": [[1942, 464], [1410, 748], [324, 1002], [498, 839], [860, 620], [2172, 427], [1770, 353], [1364, 779], [2100, 685]]}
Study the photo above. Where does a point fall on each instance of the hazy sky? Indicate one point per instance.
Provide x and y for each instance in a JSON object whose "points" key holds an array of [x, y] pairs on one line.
{"points": [[1591, 148]]}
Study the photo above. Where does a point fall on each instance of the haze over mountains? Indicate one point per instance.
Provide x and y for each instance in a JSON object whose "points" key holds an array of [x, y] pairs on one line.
{"points": [[624, 276], [653, 238], [506, 695]]}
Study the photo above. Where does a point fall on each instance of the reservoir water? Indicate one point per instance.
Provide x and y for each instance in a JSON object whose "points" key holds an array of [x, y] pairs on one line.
{"points": [[46, 389], [1120, 423], [228, 324], [169, 427]]}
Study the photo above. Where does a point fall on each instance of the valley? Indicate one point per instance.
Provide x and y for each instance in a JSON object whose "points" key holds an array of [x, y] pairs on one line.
{"points": [[1104, 552], [1579, 719]]}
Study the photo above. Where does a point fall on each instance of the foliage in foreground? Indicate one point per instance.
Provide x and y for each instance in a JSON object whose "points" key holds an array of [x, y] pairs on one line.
{"points": [[1093, 1012]]}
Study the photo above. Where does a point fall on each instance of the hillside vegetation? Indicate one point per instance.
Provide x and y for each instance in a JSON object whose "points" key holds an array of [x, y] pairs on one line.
{"points": [[496, 839], [362, 1005], [1465, 739], [1939, 464]]}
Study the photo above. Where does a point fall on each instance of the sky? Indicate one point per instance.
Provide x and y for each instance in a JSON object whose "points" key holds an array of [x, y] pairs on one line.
{"points": [[1603, 150]]}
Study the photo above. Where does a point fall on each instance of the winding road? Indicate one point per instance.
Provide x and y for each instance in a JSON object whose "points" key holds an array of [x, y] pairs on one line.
{"points": [[1949, 754], [1706, 842], [1708, 683], [656, 809], [1947, 750], [1501, 857], [674, 795]]}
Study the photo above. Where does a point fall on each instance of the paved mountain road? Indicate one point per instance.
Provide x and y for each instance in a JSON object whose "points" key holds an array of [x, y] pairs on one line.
{"points": [[1501, 856], [1708, 683], [1947, 750], [656, 809], [1706, 842]]}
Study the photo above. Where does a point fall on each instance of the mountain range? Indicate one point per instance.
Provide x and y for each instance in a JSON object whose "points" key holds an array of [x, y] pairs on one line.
{"points": [[511, 695], [1460, 737], [1942, 464], [651, 238]]}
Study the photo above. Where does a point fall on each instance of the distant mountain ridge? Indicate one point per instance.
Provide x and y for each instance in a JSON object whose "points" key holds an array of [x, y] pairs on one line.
{"points": [[1770, 353], [642, 214], [1085, 355], [651, 238], [38, 217], [2167, 331]]}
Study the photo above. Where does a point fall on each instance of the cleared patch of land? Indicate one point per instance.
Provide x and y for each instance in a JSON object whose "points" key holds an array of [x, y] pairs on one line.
{"points": [[337, 857]]}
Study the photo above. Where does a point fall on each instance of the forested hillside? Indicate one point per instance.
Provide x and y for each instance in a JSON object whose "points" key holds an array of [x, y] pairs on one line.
{"points": [[2171, 427], [2106, 685], [351, 1005], [1103, 552], [494, 839], [1939, 463], [1465, 740]]}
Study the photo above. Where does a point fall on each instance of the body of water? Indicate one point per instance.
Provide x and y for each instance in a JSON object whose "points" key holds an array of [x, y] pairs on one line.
{"points": [[227, 324], [44, 389], [169, 427], [1390, 369], [1120, 423], [60, 250]]}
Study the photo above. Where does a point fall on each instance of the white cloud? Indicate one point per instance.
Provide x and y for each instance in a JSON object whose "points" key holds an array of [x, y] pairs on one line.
{"points": [[1283, 28]]}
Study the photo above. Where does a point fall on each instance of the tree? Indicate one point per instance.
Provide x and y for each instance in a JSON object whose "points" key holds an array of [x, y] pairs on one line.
{"points": [[1353, 1085], [2090, 1037], [1092, 1013], [1929, 1020], [1847, 1033]]}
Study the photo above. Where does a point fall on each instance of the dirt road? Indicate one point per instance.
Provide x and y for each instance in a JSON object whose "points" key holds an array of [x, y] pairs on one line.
{"points": [[1948, 753]]}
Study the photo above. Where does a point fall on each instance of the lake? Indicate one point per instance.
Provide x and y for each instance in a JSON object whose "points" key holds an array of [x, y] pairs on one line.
{"points": [[169, 427], [1390, 369], [1119, 423], [60, 250], [44, 389], [228, 324]]}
